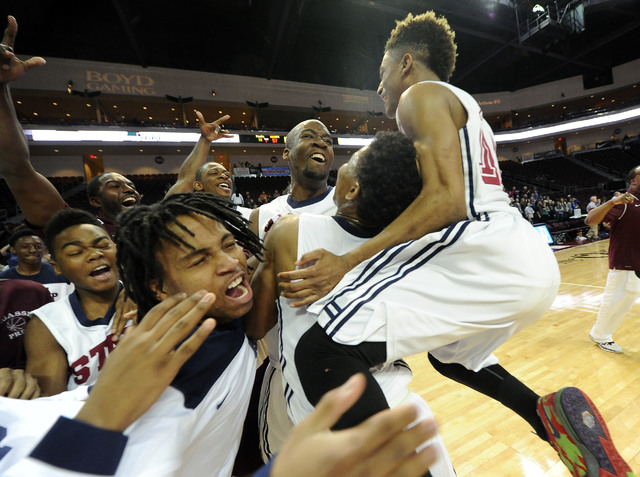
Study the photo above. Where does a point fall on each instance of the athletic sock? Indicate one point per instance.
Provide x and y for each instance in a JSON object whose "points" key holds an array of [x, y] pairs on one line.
{"points": [[497, 383]]}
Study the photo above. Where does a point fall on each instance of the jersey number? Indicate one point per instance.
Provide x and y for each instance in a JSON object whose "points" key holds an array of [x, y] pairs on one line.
{"points": [[490, 170]]}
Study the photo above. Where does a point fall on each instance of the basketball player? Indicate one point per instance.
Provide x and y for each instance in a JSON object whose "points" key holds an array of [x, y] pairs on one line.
{"points": [[309, 152], [462, 230], [67, 341], [106, 434]]}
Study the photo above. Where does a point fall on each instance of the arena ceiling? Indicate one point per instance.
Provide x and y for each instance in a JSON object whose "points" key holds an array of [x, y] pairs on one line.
{"points": [[330, 42]]}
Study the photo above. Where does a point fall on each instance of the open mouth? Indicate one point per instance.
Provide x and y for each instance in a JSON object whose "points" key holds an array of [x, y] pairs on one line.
{"points": [[319, 158], [102, 272], [238, 289], [129, 201], [224, 185]]}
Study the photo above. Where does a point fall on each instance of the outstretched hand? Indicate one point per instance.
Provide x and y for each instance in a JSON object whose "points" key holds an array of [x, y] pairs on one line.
{"points": [[380, 446], [146, 361], [12, 68], [321, 272], [213, 131]]}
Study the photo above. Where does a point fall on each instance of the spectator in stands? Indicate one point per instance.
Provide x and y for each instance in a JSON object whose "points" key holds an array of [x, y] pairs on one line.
{"points": [[29, 250], [544, 210], [623, 281], [560, 210], [529, 212], [236, 197], [263, 198]]}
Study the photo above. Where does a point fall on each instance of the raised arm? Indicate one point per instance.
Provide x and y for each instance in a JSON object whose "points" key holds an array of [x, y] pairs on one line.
{"points": [[597, 215], [46, 359], [431, 115], [35, 195], [187, 173]]}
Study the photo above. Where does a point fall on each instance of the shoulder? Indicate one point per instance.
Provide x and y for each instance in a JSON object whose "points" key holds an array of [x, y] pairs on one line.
{"points": [[284, 230]]}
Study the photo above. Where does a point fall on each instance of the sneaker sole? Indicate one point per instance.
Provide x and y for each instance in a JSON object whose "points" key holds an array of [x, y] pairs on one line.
{"points": [[588, 431]]}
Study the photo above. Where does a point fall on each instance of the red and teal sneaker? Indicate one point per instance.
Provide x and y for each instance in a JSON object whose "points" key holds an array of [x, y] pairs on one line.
{"points": [[578, 433]]}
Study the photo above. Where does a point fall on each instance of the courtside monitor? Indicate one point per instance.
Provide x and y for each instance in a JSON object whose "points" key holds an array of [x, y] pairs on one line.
{"points": [[544, 233]]}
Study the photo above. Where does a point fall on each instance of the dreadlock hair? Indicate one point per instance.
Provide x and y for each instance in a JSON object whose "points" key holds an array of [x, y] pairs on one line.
{"points": [[429, 39], [64, 219], [18, 234], [140, 230], [389, 179]]}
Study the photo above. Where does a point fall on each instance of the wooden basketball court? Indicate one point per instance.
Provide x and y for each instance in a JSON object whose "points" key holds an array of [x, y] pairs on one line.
{"points": [[486, 439]]}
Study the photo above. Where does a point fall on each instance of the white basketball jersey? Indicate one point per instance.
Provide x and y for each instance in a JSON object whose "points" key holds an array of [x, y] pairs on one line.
{"points": [[86, 342], [482, 179], [193, 429], [284, 205], [339, 237]]}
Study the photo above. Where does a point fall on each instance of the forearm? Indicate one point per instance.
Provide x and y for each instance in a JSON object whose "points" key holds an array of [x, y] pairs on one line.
{"points": [[14, 150], [187, 172], [428, 213], [597, 215]]}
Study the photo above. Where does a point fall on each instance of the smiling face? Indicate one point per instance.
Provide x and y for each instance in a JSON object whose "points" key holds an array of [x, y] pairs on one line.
{"points": [[215, 179], [390, 88], [309, 153], [28, 250], [216, 264], [86, 255], [116, 193]]}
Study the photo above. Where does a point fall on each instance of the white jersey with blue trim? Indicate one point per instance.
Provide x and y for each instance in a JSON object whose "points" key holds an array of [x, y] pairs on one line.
{"points": [[86, 342], [193, 429], [338, 236], [484, 192], [284, 205]]}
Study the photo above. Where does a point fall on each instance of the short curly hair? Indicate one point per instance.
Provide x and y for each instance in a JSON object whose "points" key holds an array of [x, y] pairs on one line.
{"points": [[64, 219], [429, 39], [389, 178]]}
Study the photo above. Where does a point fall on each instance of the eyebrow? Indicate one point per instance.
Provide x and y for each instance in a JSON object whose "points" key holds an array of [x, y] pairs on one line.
{"points": [[81, 244], [193, 253], [324, 133]]}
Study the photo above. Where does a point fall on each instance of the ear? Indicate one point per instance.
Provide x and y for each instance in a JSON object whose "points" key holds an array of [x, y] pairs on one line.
{"points": [[406, 64], [354, 191], [95, 202], [155, 288], [197, 185], [56, 268], [285, 154]]}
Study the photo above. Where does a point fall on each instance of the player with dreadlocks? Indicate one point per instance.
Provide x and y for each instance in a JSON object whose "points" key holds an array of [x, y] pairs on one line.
{"points": [[147, 230], [190, 242]]}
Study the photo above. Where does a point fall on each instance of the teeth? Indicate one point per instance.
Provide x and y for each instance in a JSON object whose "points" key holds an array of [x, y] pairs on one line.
{"points": [[235, 283], [224, 186], [320, 157], [129, 200]]}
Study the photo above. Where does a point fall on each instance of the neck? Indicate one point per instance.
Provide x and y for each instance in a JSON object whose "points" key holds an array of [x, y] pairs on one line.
{"points": [[28, 268], [96, 304], [299, 193]]}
